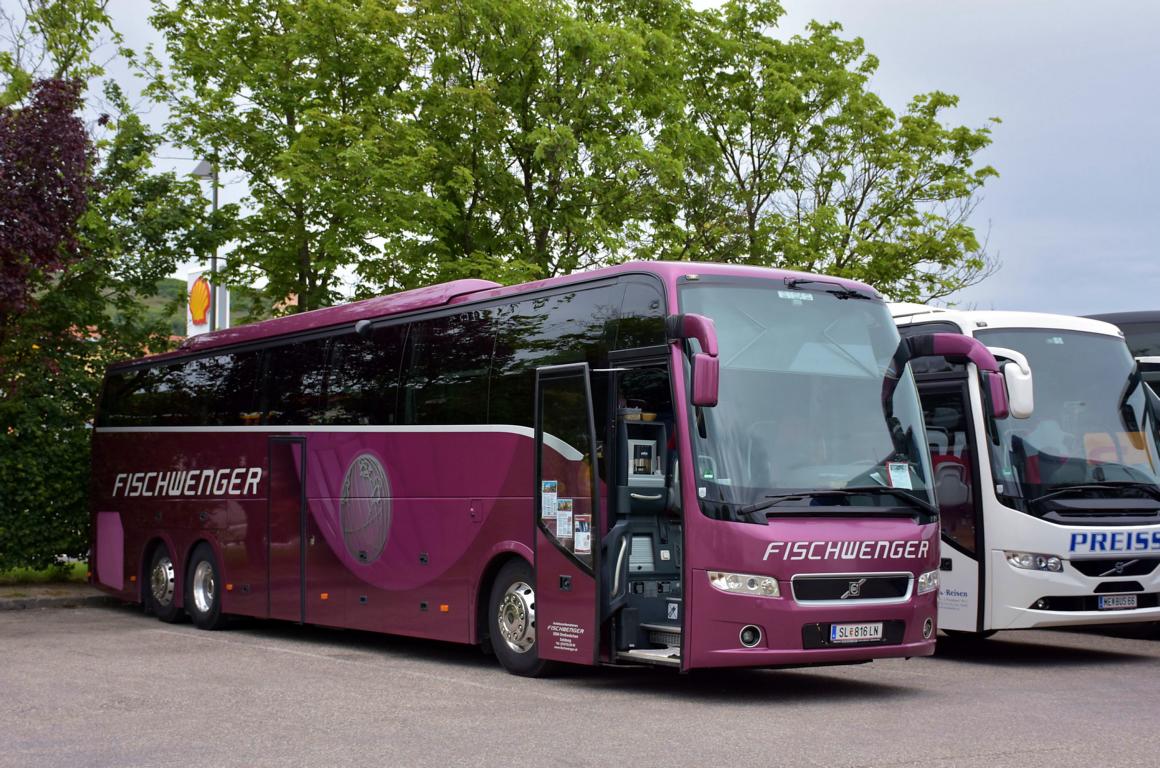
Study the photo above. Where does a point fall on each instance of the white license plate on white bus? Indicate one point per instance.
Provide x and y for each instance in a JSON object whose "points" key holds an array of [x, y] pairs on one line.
{"points": [[856, 633], [1117, 602]]}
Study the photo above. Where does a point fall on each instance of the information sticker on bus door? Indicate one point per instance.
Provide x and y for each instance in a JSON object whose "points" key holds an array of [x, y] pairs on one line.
{"points": [[899, 475]]}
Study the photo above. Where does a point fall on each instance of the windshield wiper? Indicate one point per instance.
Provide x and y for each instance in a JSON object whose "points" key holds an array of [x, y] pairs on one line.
{"points": [[898, 492], [772, 500], [1149, 488], [842, 292]]}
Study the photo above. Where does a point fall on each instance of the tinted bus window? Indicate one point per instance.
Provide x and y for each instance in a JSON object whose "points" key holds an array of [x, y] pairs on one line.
{"points": [[364, 377], [446, 376], [210, 391], [1143, 338], [129, 398], [571, 327], [294, 388], [642, 317]]}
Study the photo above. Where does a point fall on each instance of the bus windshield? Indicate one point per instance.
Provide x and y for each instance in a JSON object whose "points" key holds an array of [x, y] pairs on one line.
{"points": [[807, 415], [1094, 422]]}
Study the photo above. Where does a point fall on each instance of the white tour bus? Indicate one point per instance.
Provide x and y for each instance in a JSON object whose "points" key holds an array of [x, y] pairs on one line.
{"points": [[1051, 518]]}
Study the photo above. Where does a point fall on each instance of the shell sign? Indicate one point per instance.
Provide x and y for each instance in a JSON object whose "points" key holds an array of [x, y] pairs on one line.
{"points": [[199, 303], [199, 294]]}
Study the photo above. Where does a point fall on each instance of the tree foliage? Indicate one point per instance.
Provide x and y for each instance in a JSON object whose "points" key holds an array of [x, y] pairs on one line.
{"points": [[305, 101], [415, 142], [89, 229], [44, 171]]}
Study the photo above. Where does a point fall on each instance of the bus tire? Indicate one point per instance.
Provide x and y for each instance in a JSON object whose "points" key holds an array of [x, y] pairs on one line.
{"points": [[512, 620], [203, 589], [161, 587]]}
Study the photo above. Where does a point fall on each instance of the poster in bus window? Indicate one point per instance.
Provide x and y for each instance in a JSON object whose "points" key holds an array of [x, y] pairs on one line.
{"points": [[548, 500], [582, 534], [564, 519]]}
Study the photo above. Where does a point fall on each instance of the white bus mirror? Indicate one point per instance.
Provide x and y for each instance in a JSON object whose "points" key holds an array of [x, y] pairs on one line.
{"points": [[1017, 377], [1020, 393]]}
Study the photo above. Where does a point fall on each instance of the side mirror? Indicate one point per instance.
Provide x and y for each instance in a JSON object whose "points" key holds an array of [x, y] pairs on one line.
{"points": [[706, 380], [706, 366], [1017, 377], [965, 349]]}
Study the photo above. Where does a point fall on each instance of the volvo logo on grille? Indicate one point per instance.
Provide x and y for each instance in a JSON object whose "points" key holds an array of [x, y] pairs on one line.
{"points": [[854, 590], [1119, 568]]}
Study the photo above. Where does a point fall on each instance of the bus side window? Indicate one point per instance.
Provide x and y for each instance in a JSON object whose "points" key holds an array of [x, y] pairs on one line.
{"points": [[363, 383], [293, 391], [445, 377], [642, 317], [570, 327]]}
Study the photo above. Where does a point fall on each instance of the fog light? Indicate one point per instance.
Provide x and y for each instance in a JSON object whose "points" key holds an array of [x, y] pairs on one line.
{"points": [[1041, 603], [927, 629], [750, 636]]}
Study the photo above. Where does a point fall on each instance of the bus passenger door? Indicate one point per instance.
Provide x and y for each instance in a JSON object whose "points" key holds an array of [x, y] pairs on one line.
{"points": [[286, 526], [567, 516], [954, 458]]}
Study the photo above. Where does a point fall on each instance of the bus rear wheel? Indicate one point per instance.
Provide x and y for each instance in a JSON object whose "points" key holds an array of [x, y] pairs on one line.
{"points": [[512, 620], [161, 591], [203, 599]]}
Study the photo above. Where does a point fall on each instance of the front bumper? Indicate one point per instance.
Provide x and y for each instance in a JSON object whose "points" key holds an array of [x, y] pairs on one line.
{"points": [[789, 628], [1014, 593]]}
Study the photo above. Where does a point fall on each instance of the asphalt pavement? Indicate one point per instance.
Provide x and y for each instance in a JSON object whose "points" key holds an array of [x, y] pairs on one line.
{"points": [[107, 686]]}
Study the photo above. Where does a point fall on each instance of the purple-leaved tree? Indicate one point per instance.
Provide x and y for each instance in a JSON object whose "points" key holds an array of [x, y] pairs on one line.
{"points": [[44, 178]]}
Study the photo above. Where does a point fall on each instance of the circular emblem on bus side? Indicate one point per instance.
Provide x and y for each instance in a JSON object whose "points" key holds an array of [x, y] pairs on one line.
{"points": [[365, 508]]}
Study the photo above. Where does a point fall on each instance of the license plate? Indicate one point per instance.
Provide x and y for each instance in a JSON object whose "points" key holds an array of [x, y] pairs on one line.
{"points": [[857, 633], [1117, 602]]}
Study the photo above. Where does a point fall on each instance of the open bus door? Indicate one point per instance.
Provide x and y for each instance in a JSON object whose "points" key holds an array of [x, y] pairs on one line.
{"points": [[567, 517], [955, 455]]}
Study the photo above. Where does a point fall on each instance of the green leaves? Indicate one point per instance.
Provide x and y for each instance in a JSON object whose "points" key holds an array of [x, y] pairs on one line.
{"points": [[793, 162]]}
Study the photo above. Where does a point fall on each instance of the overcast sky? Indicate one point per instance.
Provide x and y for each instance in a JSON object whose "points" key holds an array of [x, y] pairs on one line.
{"points": [[1072, 216]]}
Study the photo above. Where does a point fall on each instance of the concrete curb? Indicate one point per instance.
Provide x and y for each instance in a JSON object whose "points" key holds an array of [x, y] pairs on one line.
{"points": [[75, 599]]}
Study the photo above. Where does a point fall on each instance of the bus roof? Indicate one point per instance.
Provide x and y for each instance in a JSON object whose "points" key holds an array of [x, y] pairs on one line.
{"points": [[970, 321], [459, 292], [1142, 316]]}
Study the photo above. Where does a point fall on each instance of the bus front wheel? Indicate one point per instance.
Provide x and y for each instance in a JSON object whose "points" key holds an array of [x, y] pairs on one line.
{"points": [[160, 591], [203, 600], [512, 620]]}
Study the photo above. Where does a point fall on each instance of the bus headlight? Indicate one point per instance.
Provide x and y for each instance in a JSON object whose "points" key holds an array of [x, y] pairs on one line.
{"points": [[928, 582], [745, 584], [1031, 561]]}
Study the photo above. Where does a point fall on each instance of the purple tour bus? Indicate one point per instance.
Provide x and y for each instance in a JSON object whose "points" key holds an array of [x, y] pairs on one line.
{"points": [[664, 463]]}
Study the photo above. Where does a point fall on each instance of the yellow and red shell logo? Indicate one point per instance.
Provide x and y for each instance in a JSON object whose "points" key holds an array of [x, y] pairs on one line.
{"points": [[199, 300]]}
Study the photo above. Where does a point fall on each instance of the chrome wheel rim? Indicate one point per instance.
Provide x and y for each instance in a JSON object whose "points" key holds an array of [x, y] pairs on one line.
{"points": [[204, 587], [517, 617], [162, 580]]}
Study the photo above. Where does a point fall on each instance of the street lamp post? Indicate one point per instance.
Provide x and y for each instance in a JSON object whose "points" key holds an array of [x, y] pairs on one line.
{"points": [[209, 170]]}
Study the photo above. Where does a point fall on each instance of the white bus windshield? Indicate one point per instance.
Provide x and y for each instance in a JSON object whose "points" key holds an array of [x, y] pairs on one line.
{"points": [[1094, 422], [803, 406]]}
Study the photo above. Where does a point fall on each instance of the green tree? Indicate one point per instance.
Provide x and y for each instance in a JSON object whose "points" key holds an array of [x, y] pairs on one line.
{"points": [[305, 103], [542, 120], [82, 309], [793, 162]]}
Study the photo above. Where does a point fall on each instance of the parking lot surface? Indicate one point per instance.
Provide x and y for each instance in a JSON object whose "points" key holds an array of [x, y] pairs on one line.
{"points": [[107, 686]]}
